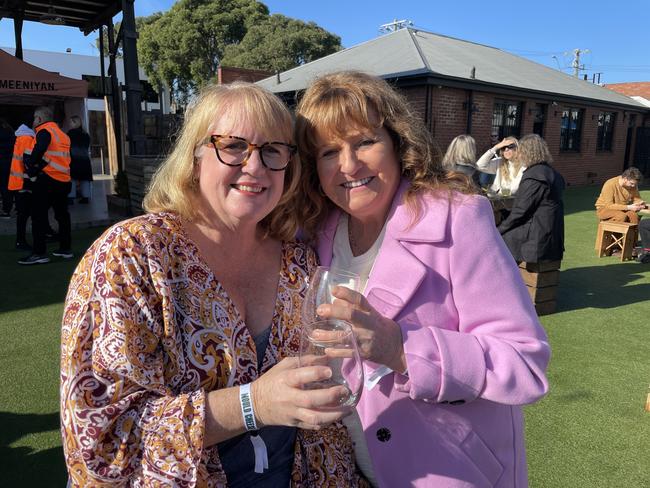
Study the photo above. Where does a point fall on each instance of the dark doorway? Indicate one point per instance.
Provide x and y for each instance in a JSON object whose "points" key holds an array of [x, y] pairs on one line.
{"points": [[642, 150], [539, 117], [631, 124]]}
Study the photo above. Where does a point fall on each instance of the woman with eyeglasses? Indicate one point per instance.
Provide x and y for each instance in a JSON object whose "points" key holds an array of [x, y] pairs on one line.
{"points": [[500, 161], [446, 366], [180, 325]]}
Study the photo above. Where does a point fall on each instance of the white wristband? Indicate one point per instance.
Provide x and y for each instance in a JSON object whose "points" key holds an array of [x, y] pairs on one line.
{"points": [[247, 409]]}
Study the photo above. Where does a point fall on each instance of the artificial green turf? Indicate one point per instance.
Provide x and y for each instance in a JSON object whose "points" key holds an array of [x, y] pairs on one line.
{"points": [[590, 431], [31, 303]]}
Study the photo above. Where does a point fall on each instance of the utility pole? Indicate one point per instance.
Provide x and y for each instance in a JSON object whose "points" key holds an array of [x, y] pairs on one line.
{"points": [[576, 61], [395, 25]]}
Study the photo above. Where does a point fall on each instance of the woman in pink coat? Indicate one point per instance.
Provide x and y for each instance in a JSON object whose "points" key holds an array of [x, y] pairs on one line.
{"points": [[450, 338]]}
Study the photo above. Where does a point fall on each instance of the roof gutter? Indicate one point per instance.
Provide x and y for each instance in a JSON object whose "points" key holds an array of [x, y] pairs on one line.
{"points": [[478, 85]]}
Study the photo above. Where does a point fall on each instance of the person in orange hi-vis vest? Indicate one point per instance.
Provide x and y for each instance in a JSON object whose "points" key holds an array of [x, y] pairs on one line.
{"points": [[48, 168], [20, 184]]}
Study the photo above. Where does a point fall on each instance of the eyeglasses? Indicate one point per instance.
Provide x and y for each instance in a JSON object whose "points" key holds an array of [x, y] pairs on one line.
{"points": [[510, 147], [235, 151]]}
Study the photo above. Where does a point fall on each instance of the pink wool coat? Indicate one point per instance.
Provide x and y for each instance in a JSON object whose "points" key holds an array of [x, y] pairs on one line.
{"points": [[474, 347]]}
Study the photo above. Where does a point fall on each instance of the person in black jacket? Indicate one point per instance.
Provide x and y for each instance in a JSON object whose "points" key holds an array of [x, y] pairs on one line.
{"points": [[6, 151], [534, 229], [80, 167]]}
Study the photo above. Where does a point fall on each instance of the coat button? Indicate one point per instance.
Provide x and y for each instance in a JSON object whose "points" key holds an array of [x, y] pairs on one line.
{"points": [[383, 434]]}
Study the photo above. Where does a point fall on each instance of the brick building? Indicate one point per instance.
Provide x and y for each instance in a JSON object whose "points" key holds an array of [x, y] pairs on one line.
{"points": [[460, 87]]}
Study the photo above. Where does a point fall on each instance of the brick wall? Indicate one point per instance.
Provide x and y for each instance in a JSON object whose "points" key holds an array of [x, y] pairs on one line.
{"points": [[448, 118], [227, 75]]}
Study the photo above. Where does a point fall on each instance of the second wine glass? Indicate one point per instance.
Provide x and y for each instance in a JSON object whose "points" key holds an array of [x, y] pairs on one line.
{"points": [[320, 288]]}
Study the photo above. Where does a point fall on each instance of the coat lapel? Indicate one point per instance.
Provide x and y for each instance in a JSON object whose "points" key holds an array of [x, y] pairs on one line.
{"points": [[398, 272]]}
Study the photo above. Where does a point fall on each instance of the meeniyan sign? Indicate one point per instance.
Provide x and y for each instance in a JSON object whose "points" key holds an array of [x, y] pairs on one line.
{"points": [[26, 85]]}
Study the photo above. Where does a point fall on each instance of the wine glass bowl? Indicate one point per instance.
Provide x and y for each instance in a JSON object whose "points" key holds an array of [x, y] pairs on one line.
{"points": [[331, 343], [320, 288]]}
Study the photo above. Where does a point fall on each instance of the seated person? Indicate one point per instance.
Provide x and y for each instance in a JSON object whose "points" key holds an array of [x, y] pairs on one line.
{"points": [[619, 200], [501, 161], [534, 229], [461, 157]]}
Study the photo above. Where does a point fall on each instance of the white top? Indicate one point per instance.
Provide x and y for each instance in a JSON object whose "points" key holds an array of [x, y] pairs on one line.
{"points": [[488, 163], [362, 265]]}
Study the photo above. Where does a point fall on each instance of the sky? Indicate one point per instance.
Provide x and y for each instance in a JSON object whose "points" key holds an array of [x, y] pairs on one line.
{"points": [[616, 35]]}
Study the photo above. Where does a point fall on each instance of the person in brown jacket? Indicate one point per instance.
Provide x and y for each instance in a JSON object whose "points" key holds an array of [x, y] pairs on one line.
{"points": [[619, 199]]}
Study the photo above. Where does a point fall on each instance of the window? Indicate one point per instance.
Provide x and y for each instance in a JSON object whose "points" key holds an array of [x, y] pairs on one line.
{"points": [[506, 119], [570, 129], [605, 131]]}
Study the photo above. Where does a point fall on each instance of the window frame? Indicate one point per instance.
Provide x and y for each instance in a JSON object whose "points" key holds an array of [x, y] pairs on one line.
{"points": [[605, 135], [503, 129], [571, 137]]}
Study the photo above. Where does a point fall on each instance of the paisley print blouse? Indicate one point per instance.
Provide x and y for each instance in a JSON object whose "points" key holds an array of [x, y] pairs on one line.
{"points": [[147, 332]]}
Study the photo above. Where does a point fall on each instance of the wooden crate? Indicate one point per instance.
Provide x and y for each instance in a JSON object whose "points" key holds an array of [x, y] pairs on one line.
{"points": [[139, 171], [545, 308], [542, 280], [539, 295]]}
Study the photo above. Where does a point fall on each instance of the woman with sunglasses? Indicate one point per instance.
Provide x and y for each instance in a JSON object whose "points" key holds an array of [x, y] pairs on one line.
{"points": [[179, 325], [500, 161]]}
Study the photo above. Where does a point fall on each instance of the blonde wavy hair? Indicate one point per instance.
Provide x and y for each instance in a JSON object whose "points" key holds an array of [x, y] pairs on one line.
{"points": [[461, 150], [505, 167], [338, 102], [174, 187], [533, 150]]}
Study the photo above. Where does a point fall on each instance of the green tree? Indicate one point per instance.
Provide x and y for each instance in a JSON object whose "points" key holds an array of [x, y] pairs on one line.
{"points": [[281, 43], [184, 47]]}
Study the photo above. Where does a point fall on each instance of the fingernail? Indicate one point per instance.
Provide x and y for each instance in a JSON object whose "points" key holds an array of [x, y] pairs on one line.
{"points": [[329, 373], [320, 310]]}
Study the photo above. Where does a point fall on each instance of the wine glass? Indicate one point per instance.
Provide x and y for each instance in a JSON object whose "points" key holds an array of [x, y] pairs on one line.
{"points": [[331, 342], [320, 289]]}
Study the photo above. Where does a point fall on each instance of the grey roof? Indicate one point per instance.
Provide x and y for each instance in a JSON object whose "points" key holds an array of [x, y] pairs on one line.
{"points": [[409, 52]]}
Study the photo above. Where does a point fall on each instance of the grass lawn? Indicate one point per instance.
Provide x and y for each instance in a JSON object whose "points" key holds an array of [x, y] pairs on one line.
{"points": [[590, 431]]}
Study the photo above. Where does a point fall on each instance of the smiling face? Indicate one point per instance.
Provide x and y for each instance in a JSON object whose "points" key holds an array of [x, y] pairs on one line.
{"points": [[359, 171], [238, 194]]}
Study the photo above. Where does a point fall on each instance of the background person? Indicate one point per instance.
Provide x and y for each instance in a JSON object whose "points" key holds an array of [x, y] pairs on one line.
{"points": [[534, 228], [461, 157], [49, 167], [6, 150], [20, 185], [500, 161], [447, 366], [81, 170], [171, 316], [619, 199]]}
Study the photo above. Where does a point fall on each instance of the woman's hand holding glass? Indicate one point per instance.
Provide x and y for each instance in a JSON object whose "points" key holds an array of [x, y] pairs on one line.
{"points": [[321, 284], [332, 343], [281, 396], [379, 338]]}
